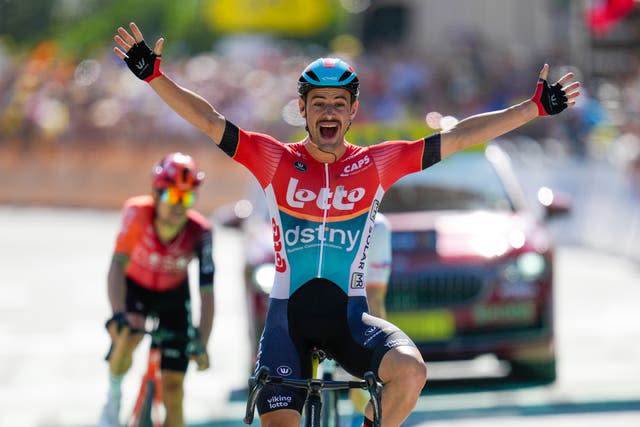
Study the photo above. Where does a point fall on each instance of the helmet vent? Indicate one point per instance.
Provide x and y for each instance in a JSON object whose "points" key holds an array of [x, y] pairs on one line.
{"points": [[313, 75], [345, 75]]}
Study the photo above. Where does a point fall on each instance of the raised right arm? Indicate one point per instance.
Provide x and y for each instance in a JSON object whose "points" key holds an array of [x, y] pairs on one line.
{"points": [[191, 107], [145, 64]]}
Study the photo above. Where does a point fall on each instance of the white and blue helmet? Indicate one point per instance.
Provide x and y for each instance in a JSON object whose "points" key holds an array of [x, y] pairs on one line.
{"points": [[328, 72]]}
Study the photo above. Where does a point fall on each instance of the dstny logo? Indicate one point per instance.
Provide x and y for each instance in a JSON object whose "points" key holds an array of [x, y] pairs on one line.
{"points": [[316, 235], [340, 198]]}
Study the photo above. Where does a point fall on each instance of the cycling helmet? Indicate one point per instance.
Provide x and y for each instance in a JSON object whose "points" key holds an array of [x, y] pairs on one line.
{"points": [[176, 170], [328, 72]]}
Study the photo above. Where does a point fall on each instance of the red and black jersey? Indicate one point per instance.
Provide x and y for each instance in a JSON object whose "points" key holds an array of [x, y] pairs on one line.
{"points": [[160, 266]]}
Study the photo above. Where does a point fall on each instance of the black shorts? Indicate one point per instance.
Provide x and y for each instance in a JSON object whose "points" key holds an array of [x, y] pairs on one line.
{"points": [[173, 310], [319, 314]]}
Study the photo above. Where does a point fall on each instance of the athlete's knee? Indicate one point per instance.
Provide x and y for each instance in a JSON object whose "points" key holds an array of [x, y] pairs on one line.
{"points": [[404, 365], [417, 372], [173, 391], [172, 385], [280, 418]]}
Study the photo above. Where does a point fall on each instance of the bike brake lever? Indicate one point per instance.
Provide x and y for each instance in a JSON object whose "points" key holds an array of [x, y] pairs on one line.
{"points": [[256, 383], [375, 390]]}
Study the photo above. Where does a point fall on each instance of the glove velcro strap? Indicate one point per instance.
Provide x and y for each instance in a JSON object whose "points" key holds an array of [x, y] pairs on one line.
{"points": [[537, 95], [156, 70]]}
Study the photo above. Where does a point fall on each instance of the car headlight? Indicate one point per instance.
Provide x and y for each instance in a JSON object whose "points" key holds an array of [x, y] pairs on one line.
{"points": [[527, 267], [263, 277]]}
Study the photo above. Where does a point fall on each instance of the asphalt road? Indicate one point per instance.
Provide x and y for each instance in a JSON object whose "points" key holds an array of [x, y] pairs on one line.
{"points": [[52, 340]]}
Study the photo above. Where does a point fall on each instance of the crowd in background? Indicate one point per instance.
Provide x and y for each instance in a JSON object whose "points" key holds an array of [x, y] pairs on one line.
{"points": [[45, 99]]}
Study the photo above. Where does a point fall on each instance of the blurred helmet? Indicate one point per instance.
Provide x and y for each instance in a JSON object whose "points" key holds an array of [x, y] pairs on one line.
{"points": [[176, 170], [328, 72]]}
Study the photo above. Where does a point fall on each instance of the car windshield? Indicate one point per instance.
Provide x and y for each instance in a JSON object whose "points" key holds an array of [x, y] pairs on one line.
{"points": [[464, 181]]}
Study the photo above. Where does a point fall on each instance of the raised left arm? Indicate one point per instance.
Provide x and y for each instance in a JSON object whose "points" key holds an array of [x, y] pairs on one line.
{"points": [[480, 128]]}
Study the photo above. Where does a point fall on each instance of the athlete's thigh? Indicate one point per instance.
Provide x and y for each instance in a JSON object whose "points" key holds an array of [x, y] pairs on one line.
{"points": [[173, 310], [278, 352], [174, 350], [368, 339]]}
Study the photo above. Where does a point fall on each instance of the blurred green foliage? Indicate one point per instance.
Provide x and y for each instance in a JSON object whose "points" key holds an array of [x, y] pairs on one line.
{"points": [[81, 27]]}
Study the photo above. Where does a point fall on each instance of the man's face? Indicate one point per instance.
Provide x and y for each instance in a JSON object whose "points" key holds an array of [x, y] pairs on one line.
{"points": [[329, 113], [172, 205]]}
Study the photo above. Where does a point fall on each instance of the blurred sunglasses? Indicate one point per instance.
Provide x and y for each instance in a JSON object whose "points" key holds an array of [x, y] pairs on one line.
{"points": [[174, 196]]}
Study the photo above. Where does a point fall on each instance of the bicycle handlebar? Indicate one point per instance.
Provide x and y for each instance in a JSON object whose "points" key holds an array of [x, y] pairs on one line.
{"points": [[160, 335], [262, 378]]}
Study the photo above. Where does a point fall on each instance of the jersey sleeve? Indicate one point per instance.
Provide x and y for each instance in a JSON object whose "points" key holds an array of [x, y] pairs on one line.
{"points": [[258, 152], [379, 257], [204, 252], [396, 159], [130, 230]]}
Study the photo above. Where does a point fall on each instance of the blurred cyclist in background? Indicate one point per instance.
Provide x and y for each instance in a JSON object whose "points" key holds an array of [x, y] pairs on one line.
{"points": [[379, 266], [377, 280], [323, 195], [160, 235]]}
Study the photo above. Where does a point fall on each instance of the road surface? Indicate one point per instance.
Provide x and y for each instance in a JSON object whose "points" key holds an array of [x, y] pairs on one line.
{"points": [[52, 338]]}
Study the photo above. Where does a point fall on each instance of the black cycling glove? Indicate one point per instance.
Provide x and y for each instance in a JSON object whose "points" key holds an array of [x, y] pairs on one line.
{"points": [[120, 319], [143, 62], [195, 346], [549, 99]]}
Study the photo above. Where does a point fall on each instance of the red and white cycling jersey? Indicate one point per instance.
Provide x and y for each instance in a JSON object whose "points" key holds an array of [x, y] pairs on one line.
{"points": [[323, 214], [162, 266]]}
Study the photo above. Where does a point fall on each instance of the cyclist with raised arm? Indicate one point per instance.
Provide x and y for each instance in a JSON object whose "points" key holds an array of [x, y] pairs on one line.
{"points": [[323, 194], [159, 236]]}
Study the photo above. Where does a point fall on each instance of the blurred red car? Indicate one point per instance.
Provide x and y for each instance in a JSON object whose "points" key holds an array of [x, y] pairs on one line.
{"points": [[472, 266], [472, 269]]}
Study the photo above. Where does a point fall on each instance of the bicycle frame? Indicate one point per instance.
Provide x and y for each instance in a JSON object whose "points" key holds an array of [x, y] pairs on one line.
{"points": [[328, 404], [146, 412], [149, 404]]}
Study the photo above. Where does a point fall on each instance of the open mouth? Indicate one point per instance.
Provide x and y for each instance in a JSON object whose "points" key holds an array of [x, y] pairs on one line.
{"points": [[328, 130]]}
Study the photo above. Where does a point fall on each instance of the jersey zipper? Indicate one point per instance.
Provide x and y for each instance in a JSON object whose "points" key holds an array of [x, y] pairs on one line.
{"points": [[324, 220]]}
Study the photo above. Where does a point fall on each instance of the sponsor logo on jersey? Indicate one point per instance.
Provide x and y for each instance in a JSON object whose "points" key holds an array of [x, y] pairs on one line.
{"points": [[370, 330], [164, 263], [284, 370], [346, 239], [374, 209], [357, 281], [367, 244], [339, 198], [371, 334], [279, 401], [171, 353], [280, 263], [356, 166], [397, 342], [300, 166]]}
